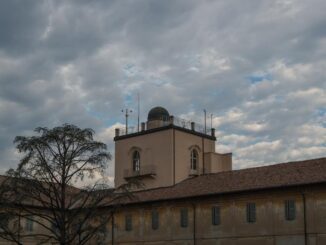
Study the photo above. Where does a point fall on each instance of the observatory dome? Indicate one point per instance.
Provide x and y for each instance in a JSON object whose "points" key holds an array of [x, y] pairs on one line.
{"points": [[158, 113]]}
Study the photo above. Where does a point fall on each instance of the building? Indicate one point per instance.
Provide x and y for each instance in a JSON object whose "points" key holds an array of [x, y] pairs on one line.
{"points": [[191, 195]]}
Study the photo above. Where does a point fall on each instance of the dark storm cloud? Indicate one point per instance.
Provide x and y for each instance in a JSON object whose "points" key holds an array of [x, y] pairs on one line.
{"points": [[258, 66]]}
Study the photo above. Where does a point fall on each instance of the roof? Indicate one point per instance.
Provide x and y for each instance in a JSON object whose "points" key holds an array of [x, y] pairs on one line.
{"points": [[274, 176], [170, 126]]}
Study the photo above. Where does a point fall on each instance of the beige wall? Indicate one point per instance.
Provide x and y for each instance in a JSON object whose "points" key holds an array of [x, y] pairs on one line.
{"points": [[184, 143], [269, 228], [156, 149], [215, 162]]}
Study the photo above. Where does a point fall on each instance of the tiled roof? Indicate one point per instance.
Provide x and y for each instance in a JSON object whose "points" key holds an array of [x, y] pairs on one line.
{"points": [[273, 176]]}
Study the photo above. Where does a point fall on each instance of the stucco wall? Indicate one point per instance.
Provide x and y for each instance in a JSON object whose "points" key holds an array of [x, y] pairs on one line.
{"points": [[155, 149], [271, 227]]}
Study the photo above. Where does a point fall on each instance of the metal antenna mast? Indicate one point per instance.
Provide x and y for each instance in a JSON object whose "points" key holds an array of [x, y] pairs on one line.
{"points": [[211, 120], [205, 121], [138, 98], [127, 113]]}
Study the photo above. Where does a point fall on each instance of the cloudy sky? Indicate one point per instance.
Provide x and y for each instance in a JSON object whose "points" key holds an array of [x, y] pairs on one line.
{"points": [[257, 66]]}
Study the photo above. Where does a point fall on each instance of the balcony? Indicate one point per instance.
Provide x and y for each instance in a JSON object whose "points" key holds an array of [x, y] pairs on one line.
{"points": [[145, 171]]}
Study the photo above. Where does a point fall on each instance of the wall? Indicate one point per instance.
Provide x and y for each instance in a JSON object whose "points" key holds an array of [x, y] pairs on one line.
{"points": [[155, 149], [270, 228], [184, 143]]}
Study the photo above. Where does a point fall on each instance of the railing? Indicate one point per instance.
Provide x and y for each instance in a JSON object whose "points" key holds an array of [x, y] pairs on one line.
{"points": [[147, 170], [180, 122]]}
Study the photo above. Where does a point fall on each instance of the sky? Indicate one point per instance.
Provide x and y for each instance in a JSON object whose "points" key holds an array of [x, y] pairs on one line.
{"points": [[257, 66]]}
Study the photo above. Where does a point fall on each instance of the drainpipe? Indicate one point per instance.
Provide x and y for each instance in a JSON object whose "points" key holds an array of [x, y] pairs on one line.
{"points": [[112, 227], [304, 218], [194, 223]]}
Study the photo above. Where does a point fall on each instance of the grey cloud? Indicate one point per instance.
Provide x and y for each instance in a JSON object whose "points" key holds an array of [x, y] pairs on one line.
{"points": [[83, 61]]}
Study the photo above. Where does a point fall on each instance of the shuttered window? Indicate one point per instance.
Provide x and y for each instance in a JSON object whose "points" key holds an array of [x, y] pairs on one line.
{"points": [[184, 217], [155, 220], [290, 210], [29, 224], [4, 221], [216, 217], [128, 222], [251, 212]]}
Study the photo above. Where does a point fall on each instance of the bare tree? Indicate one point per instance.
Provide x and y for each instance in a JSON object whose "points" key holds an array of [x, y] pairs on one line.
{"points": [[53, 162], [9, 213]]}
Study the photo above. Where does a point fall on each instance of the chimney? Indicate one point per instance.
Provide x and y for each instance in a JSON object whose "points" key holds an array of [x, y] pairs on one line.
{"points": [[213, 132], [117, 132], [142, 126], [171, 119], [193, 126]]}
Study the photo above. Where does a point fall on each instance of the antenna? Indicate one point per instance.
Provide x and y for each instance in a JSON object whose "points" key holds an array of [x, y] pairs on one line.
{"points": [[127, 111], [205, 121], [138, 100], [211, 120]]}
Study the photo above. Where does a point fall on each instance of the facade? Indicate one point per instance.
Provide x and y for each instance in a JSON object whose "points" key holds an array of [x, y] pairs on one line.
{"points": [[192, 196]]}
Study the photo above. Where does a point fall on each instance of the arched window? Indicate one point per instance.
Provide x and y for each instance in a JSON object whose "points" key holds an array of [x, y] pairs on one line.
{"points": [[136, 161], [193, 159]]}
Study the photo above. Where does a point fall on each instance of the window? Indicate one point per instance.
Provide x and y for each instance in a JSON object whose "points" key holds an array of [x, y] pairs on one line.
{"points": [[184, 217], [4, 221], [193, 160], [216, 217], [136, 161], [290, 210], [251, 212], [155, 220], [128, 222], [29, 224]]}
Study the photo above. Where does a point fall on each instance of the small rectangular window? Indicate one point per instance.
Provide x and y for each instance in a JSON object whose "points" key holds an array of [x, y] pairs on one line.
{"points": [[128, 222], [251, 212], [4, 221], [290, 210], [29, 224], [216, 218], [155, 219], [184, 217]]}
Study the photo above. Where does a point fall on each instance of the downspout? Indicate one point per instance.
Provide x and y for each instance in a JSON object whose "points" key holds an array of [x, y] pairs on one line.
{"points": [[304, 218], [194, 223], [112, 227], [173, 130], [203, 148], [19, 220]]}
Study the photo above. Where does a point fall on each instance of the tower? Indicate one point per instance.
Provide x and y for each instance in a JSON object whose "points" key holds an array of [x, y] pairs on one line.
{"points": [[166, 152]]}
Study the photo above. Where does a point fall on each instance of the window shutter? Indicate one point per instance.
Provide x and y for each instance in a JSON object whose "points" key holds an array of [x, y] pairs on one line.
{"points": [[128, 222], [251, 212], [29, 224], [290, 211], [216, 218], [184, 217], [155, 219]]}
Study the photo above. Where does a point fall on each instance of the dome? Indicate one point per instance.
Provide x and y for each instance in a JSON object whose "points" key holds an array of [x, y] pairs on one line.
{"points": [[158, 113]]}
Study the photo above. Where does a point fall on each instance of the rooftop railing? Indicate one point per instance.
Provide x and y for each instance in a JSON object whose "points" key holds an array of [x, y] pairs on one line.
{"points": [[180, 122]]}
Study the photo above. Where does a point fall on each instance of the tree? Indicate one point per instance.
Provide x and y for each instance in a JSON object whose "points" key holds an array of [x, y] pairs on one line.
{"points": [[9, 215], [42, 184]]}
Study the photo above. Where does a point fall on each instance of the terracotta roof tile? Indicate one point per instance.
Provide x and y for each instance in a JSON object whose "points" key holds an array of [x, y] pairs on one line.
{"points": [[273, 176]]}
